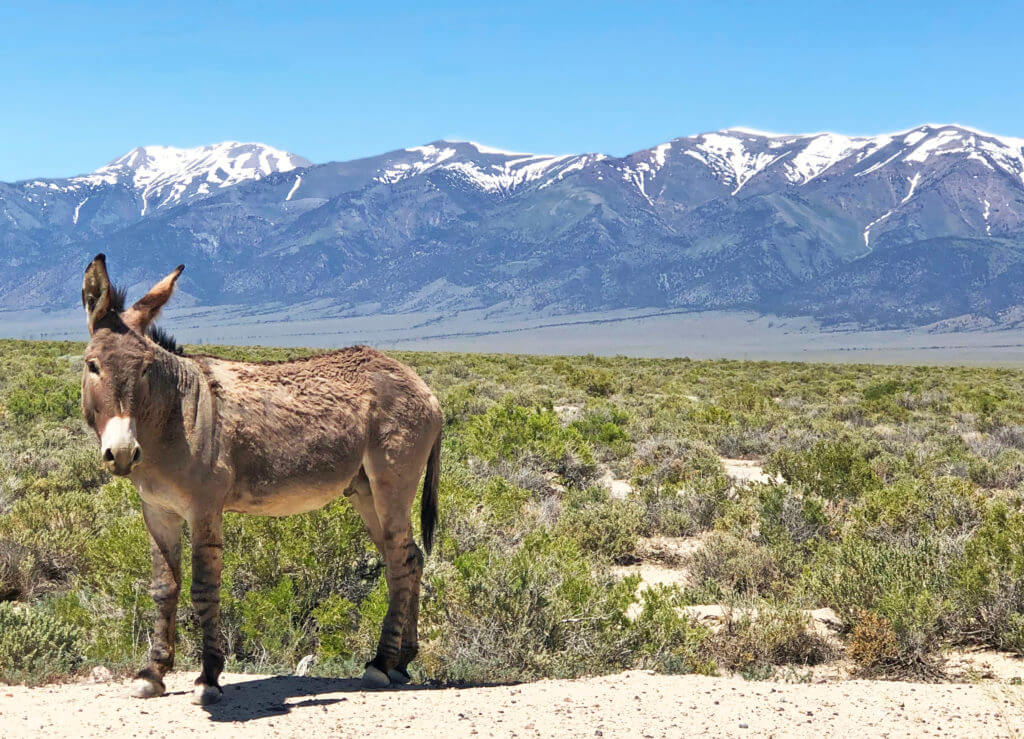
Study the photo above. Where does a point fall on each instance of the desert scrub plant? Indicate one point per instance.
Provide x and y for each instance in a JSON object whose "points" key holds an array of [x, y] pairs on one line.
{"points": [[673, 461], [595, 381], [665, 638], [598, 524], [753, 641], [988, 592], [908, 585], [686, 511], [484, 512], [509, 433], [604, 428], [540, 610], [873, 645], [792, 515], [42, 396], [35, 646], [832, 469], [467, 399], [909, 510], [728, 565]]}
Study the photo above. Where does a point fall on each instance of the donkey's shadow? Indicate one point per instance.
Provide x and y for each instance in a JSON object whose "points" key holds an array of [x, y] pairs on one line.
{"points": [[265, 696]]}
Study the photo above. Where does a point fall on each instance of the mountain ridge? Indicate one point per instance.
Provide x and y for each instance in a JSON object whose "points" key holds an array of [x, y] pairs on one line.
{"points": [[725, 219]]}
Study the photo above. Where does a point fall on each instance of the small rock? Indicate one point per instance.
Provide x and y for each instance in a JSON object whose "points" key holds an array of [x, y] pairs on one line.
{"points": [[100, 674], [743, 725]]}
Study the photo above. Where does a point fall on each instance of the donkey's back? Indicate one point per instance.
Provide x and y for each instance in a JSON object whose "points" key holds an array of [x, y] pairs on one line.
{"points": [[295, 434]]}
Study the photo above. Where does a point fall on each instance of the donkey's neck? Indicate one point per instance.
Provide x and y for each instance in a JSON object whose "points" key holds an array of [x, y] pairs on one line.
{"points": [[186, 394]]}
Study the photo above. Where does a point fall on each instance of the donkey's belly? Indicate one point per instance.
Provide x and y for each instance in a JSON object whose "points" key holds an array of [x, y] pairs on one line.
{"points": [[286, 498]]}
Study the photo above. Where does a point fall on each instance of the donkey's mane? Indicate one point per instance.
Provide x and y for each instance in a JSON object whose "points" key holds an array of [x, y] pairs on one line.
{"points": [[117, 298], [164, 339], [118, 295]]}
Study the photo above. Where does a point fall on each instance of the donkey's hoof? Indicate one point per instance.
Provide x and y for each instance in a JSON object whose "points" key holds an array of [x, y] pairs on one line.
{"points": [[374, 679], [398, 676], [204, 695], [145, 688]]}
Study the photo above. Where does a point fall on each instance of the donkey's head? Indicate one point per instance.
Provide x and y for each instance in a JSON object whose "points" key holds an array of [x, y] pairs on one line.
{"points": [[118, 386]]}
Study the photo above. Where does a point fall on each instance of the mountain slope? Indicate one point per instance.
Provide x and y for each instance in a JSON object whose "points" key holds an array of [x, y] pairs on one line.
{"points": [[892, 229]]}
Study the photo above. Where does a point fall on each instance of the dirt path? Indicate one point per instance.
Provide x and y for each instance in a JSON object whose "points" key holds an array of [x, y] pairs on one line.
{"points": [[630, 704]]}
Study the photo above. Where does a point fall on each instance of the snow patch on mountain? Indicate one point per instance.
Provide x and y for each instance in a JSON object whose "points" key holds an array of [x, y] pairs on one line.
{"points": [[913, 186], [494, 170], [821, 153], [167, 175], [78, 209], [730, 160]]}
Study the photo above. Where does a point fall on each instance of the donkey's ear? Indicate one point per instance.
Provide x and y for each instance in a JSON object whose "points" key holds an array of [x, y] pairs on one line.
{"points": [[144, 312], [96, 291]]}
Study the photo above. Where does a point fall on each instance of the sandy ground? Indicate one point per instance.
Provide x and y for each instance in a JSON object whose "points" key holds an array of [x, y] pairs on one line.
{"points": [[634, 704]]}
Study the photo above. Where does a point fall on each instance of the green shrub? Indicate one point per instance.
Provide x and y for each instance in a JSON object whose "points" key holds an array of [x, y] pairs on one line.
{"points": [[684, 512], [788, 515], [508, 433], [665, 638], [988, 590], [911, 509], [42, 396], [830, 469], [659, 462], [604, 427], [539, 610], [608, 527], [35, 646], [905, 584], [733, 565], [750, 643]]}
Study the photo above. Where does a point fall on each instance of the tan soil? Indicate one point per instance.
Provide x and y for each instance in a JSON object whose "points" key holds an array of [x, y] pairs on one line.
{"points": [[633, 704], [745, 470]]}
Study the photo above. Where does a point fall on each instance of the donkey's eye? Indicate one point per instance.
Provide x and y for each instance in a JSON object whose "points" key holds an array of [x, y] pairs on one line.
{"points": [[93, 367]]}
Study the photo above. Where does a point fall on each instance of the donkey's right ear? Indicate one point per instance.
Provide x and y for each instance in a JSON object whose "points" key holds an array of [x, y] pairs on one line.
{"points": [[96, 291]]}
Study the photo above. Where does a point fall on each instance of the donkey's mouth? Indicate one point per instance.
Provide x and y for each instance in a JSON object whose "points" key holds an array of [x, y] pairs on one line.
{"points": [[122, 461]]}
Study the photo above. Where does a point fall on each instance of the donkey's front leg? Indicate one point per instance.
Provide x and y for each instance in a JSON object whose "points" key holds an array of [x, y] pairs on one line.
{"points": [[165, 546], [207, 551]]}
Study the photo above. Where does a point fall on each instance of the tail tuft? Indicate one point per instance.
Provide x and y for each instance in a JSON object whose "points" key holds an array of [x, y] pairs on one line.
{"points": [[428, 501]]}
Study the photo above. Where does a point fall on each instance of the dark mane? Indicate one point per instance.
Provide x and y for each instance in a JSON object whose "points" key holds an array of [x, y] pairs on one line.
{"points": [[117, 298], [164, 339], [118, 295]]}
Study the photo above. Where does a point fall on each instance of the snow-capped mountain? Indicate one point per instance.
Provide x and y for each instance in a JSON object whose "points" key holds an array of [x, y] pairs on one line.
{"points": [[489, 169], [898, 228], [162, 177], [737, 156], [165, 176]]}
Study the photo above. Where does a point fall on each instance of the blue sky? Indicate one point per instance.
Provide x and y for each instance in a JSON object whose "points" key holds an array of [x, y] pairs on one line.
{"points": [[84, 83]]}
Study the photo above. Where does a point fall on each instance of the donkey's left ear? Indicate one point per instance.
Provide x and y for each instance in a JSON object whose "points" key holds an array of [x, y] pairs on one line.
{"points": [[143, 313], [97, 293]]}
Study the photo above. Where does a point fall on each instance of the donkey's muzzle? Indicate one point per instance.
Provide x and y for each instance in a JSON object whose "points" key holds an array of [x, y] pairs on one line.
{"points": [[121, 459]]}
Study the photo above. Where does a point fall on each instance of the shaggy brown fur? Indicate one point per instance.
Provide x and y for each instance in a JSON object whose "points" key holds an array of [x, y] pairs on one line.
{"points": [[199, 436]]}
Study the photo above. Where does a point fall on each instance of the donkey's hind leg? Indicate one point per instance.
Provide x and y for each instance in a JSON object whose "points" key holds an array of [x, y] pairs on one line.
{"points": [[410, 634], [392, 500]]}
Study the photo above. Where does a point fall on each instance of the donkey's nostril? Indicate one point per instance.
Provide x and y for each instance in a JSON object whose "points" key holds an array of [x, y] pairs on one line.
{"points": [[108, 456], [137, 455]]}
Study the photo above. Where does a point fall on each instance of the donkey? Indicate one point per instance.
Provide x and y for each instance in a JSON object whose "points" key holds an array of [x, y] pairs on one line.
{"points": [[199, 436]]}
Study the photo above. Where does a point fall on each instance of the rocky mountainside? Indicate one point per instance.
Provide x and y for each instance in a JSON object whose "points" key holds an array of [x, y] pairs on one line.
{"points": [[895, 229]]}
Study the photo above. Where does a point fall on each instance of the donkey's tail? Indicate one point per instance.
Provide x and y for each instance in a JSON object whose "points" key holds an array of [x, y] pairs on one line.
{"points": [[428, 501]]}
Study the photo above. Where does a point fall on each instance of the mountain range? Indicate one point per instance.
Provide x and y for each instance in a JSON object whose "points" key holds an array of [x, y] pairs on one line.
{"points": [[899, 229]]}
